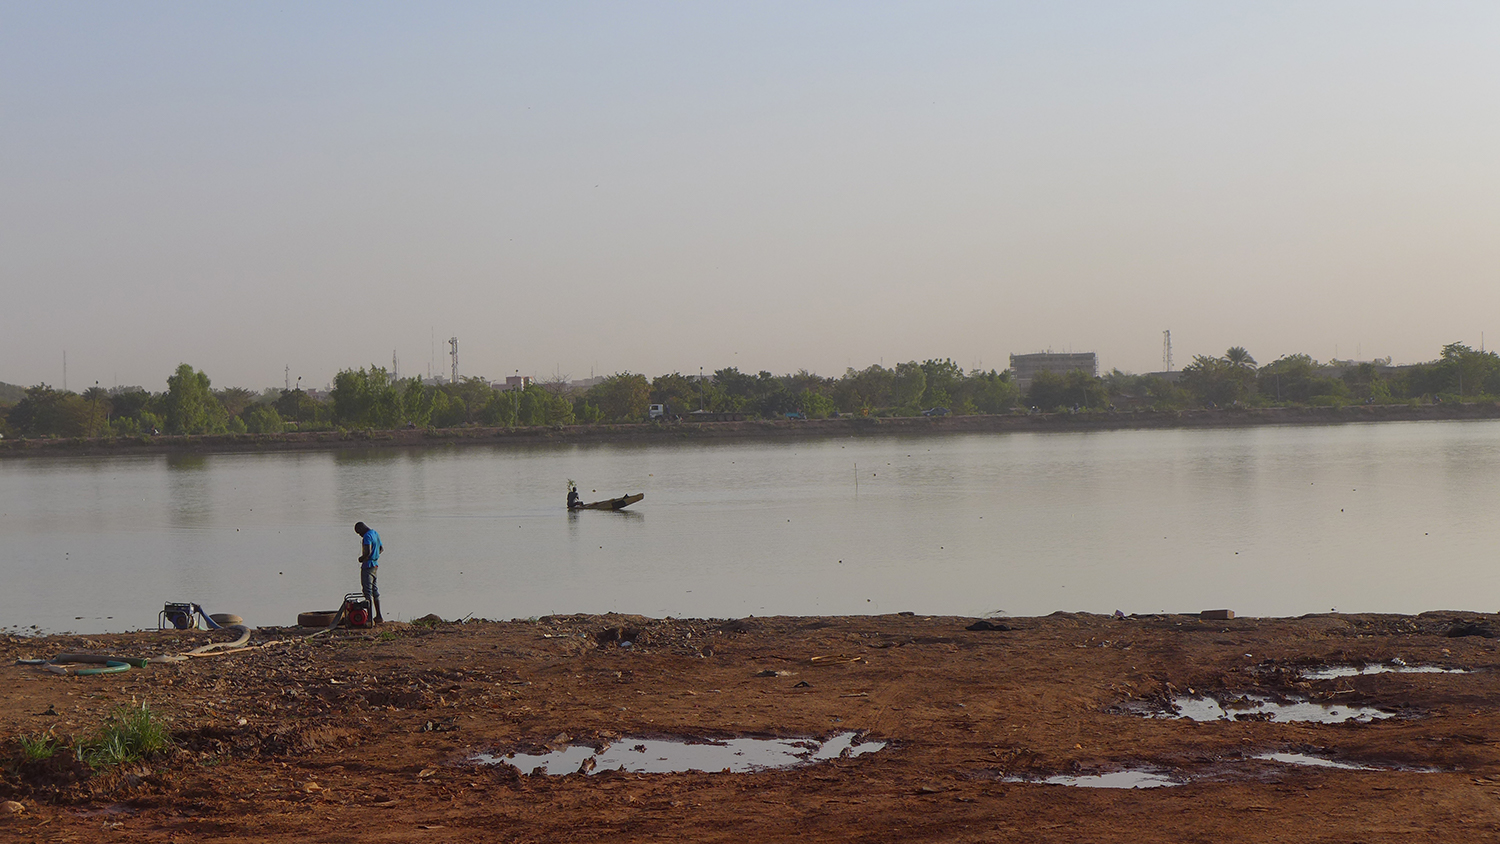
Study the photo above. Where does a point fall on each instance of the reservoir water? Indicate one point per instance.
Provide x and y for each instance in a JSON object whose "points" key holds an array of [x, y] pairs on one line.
{"points": [[1394, 517]]}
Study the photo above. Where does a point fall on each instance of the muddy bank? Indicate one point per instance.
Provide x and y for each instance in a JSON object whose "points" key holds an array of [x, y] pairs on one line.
{"points": [[376, 735], [681, 432]]}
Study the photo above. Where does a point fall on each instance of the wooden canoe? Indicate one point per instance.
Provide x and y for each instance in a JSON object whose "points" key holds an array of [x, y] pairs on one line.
{"points": [[614, 503]]}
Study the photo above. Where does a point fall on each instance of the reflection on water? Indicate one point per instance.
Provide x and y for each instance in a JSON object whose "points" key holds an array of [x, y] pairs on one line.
{"points": [[1022, 524]]}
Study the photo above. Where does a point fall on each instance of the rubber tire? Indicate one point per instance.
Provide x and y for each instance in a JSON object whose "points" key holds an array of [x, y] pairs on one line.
{"points": [[224, 619], [319, 618]]}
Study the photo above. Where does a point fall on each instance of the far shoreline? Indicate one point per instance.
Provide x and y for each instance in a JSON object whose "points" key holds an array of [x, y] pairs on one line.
{"points": [[771, 429]]}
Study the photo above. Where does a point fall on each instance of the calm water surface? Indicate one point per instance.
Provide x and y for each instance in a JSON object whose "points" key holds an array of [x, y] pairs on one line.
{"points": [[1396, 517]]}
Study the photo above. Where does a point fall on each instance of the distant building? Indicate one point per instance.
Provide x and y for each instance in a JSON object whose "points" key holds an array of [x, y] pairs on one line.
{"points": [[514, 382], [1025, 367], [585, 383]]}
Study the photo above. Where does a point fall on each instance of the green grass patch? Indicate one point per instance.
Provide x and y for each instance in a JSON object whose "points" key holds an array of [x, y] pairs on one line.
{"points": [[130, 734], [39, 748]]}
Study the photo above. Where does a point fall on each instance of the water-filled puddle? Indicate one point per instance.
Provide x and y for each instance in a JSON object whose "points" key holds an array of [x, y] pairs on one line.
{"points": [[1117, 779], [1336, 671], [663, 756], [1256, 708], [1314, 762]]}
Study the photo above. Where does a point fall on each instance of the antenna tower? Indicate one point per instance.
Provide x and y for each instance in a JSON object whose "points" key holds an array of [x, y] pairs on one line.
{"points": [[395, 371], [1166, 350], [453, 341], [288, 376]]}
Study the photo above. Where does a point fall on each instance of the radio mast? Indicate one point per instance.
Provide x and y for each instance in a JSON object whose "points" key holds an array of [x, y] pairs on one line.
{"points": [[1166, 350], [453, 341]]}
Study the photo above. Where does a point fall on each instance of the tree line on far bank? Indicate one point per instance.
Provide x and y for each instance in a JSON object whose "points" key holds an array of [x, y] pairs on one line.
{"points": [[370, 398]]}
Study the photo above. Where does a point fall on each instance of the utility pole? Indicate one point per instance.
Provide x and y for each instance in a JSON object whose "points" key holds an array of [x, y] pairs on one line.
{"points": [[1166, 349], [395, 371], [287, 375]]}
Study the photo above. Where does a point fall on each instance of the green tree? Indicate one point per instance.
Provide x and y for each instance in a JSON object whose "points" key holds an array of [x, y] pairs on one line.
{"points": [[908, 386], [622, 397], [814, 404], [1237, 357], [1050, 391], [472, 394], [991, 392], [863, 391], [235, 399], [1366, 381], [129, 402], [1298, 378], [190, 404], [1218, 381], [943, 383], [46, 412], [100, 408], [367, 399], [263, 419], [502, 410], [678, 392], [586, 412], [446, 412], [297, 407], [1466, 370]]}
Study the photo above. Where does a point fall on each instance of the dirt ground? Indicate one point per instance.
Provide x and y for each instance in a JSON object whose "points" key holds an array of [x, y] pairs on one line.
{"points": [[370, 736]]}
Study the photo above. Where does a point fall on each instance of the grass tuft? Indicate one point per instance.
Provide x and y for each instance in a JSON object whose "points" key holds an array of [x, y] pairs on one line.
{"points": [[131, 734], [39, 748]]}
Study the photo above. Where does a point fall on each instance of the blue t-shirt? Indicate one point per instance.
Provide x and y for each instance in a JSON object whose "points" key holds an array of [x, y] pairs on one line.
{"points": [[371, 546]]}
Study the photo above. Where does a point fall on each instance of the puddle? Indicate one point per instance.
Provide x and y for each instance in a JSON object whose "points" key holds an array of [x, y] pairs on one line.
{"points": [[1319, 762], [1256, 708], [1337, 671], [1314, 762], [1118, 779], [664, 756]]}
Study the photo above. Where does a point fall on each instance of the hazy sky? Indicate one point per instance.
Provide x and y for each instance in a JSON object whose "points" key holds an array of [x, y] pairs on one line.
{"points": [[577, 188]]}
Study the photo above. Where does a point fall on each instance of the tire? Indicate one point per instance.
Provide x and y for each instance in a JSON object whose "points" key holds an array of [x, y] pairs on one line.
{"points": [[224, 619], [319, 618]]}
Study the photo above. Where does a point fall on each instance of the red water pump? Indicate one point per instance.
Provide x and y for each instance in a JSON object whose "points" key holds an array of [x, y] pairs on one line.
{"points": [[357, 611]]}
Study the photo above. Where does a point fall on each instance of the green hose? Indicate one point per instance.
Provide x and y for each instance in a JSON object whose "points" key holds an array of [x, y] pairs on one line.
{"points": [[111, 667]]}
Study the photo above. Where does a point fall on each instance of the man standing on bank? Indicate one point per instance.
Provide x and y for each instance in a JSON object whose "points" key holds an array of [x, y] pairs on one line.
{"points": [[369, 563]]}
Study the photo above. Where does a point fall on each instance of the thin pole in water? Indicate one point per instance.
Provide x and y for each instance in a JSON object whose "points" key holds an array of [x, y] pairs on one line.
{"points": [[856, 480]]}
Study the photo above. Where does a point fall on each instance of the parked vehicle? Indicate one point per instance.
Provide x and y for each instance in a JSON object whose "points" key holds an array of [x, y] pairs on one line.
{"points": [[936, 411]]}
